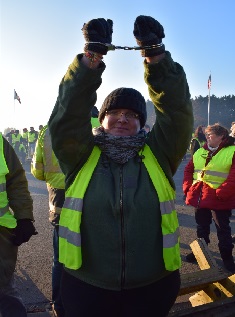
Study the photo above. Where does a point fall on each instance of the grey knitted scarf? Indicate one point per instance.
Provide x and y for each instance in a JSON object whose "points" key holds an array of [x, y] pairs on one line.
{"points": [[119, 148]]}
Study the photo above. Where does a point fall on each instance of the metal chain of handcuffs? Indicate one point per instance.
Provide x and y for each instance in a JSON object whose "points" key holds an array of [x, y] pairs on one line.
{"points": [[112, 47]]}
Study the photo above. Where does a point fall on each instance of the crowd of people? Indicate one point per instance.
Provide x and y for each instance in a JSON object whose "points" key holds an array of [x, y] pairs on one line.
{"points": [[23, 142], [116, 243]]}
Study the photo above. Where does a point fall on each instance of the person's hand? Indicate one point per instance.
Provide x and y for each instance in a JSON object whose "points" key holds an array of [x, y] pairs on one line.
{"points": [[98, 30], [147, 32], [23, 231]]}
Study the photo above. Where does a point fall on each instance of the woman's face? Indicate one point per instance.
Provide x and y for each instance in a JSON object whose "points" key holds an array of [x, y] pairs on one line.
{"points": [[213, 140], [121, 122]]}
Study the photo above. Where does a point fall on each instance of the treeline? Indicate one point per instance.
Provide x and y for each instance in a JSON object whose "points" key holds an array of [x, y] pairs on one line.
{"points": [[222, 110]]}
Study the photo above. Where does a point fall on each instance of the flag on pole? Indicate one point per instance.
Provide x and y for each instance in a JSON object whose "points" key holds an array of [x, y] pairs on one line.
{"points": [[209, 82], [16, 96]]}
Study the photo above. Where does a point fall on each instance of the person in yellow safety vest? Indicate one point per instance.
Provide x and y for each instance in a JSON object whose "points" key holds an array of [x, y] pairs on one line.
{"points": [[32, 138], [198, 139], [16, 137], [20, 151], [118, 230], [16, 226], [209, 186], [45, 167], [24, 136], [9, 136]]}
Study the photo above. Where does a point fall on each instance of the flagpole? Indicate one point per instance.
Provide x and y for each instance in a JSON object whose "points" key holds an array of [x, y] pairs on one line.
{"points": [[209, 97], [209, 106]]}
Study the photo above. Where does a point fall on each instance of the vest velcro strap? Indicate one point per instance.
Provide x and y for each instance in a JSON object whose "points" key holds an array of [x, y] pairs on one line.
{"points": [[167, 206], [4, 210], [2, 187], [170, 240], [73, 238], [73, 203]]}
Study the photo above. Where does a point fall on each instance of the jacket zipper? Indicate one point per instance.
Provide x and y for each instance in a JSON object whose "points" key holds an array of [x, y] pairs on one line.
{"points": [[122, 229]]}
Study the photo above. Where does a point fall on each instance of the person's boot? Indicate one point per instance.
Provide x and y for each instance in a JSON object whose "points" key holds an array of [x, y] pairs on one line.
{"points": [[191, 258]]}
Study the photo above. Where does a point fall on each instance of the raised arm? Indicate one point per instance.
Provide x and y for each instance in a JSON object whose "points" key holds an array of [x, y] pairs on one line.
{"points": [[70, 121], [169, 92]]}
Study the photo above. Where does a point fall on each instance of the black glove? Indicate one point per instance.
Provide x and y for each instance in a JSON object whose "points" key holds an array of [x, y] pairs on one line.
{"points": [[23, 231], [98, 30], [147, 32]]}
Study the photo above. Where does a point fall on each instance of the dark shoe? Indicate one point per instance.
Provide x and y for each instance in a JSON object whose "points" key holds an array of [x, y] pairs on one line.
{"points": [[191, 258], [229, 265]]}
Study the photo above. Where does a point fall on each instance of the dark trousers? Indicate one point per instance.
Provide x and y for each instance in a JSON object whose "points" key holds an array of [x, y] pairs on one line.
{"points": [[221, 219], [84, 300]]}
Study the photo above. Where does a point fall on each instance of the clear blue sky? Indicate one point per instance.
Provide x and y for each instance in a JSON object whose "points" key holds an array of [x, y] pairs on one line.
{"points": [[39, 39]]}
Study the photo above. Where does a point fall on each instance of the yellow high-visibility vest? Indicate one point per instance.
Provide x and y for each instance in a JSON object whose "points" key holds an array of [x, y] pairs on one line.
{"points": [[70, 220], [15, 138], [217, 170]]}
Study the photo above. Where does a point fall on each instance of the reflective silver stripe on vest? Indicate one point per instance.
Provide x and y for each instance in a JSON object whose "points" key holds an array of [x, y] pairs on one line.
{"points": [[170, 240], [219, 174], [214, 182], [3, 187], [73, 238], [213, 173], [73, 203], [167, 207], [198, 171], [4, 210]]}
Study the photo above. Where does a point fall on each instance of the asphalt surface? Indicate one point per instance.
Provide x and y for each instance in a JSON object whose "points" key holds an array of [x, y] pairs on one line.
{"points": [[33, 271]]}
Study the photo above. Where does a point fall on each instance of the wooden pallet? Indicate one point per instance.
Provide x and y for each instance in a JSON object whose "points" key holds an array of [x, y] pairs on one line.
{"points": [[215, 289]]}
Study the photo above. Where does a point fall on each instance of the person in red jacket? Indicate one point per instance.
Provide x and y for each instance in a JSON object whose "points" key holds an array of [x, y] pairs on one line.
{"points": [[209, 186]]}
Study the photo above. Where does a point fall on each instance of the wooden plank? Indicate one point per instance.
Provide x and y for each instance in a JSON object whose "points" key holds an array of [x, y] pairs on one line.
{"points": [[215, 288], [223, 308], [203, 255], [219, 289], [196, 281]]}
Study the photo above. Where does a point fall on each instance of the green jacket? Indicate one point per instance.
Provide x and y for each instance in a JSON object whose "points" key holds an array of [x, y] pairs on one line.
{"points": [[128, 250], [19, 197], [21, 205]]}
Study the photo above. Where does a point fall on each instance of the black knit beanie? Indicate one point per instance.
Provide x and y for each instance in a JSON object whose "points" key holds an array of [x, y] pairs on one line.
{"points": [[125, 98]]}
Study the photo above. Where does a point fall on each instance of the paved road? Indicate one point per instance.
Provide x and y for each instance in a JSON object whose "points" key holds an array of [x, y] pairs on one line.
{"points": [[33, 272]]}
